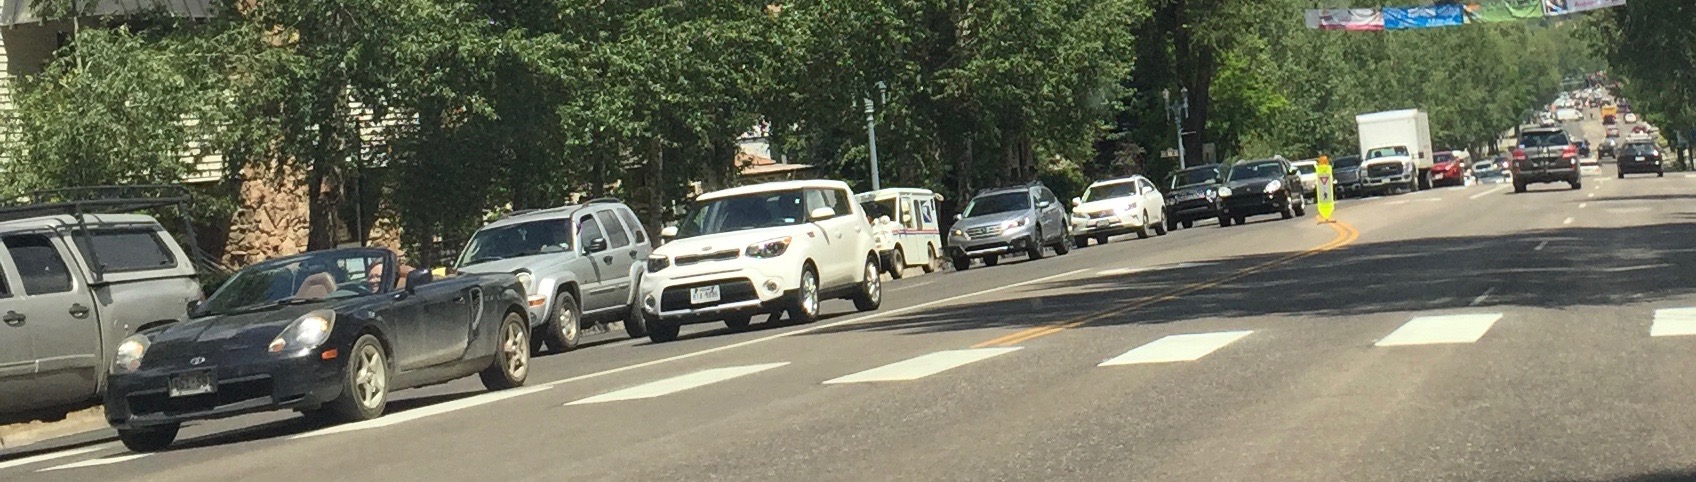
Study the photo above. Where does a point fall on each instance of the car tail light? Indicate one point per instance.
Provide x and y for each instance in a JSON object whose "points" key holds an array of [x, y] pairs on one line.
{"points": [[1570, 151], [1519, 154]]}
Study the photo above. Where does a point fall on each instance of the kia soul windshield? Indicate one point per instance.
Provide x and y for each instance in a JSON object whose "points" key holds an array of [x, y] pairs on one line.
{"points": [[737, 213]]}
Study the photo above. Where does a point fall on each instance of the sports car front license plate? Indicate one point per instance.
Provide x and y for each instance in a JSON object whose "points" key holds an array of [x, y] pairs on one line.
{"points": [[192, 383], [704, 294]]}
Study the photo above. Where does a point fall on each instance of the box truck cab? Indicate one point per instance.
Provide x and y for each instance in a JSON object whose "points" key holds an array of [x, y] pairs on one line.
{"points": [[1395, 150]]}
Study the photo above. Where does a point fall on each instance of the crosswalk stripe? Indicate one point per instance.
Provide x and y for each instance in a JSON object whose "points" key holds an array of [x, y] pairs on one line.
{"points": [[677, 384], [922, 366], [1674, 322], [1177, 348], [96, 462], [1428, 330], [52, 455]]}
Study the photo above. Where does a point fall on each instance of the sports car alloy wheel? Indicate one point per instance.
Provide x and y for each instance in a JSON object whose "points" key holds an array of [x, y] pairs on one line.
{"points": [[512, 356], [371, 377], [517, 351]]}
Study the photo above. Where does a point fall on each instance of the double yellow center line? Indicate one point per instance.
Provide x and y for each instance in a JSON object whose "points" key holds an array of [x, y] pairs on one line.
{"points": [[1345, 234]]}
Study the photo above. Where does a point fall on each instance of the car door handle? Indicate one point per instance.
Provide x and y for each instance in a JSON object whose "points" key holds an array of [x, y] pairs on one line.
{"points": [[14, 318], [78, 310], [607, 260]]}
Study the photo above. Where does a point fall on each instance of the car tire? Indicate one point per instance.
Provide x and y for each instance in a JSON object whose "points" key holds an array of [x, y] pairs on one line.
{"points": [[1288, 212], [1080, 241], [1102, 239], [149, 439], [935, 263], [1171, 225], [805, 307], [1142, 232], [1189, 224], [1622, 174], [897, 264], [1576, 184], [365, 384], [1224, 221], [1064, 246], [1301, 209], [1660, 174], [512, 356], [564, 327], [1518, 187], [1241, 220], [992, 260], [635, 323], [1035, 251], [961, 263], [1160, 227], [738, 322], [661, 331], [870, 296]]}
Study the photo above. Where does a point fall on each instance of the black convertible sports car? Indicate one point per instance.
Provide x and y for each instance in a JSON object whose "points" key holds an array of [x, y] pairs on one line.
{"points": [[327, 333]]}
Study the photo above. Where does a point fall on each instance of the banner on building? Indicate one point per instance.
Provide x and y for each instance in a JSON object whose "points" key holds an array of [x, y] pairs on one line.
{"points": [[1354, 19], [1401, 18], [1575, 6], [1505, 11]]}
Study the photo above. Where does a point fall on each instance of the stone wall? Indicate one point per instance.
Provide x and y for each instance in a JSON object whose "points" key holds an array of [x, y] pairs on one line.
{"points": [[271, 220]]}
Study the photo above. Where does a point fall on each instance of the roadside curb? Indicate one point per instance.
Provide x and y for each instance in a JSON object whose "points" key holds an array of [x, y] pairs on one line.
{"points": [[22, 435]]}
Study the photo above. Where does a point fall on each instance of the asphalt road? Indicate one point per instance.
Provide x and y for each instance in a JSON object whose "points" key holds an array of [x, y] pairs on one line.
{"points": [[1453, 334]]}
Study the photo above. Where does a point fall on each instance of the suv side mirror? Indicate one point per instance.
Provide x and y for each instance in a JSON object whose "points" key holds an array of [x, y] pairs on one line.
{"points": [[418, 277], [1043, 204], [1148, 190], [668, 232], [958, 217], [193, 306], [822, 213], [595, 245], [1077, 201]]}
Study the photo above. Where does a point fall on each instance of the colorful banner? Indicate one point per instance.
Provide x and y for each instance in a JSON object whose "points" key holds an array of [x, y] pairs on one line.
{"points": [[1424, 17], [1353, 19], [1575, 6], [1505, 11]]}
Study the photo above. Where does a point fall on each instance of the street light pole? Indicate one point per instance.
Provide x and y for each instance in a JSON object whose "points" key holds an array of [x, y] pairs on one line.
{"points": [[871, 131], [1179, 111]]}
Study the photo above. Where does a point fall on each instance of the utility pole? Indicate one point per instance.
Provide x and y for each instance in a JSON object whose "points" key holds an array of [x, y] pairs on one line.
{"points": [[1179, 111], [871, 130]]}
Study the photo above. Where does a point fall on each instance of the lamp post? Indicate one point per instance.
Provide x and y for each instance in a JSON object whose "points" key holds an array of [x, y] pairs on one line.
{"points": [[871, 130], [1179, 111]]}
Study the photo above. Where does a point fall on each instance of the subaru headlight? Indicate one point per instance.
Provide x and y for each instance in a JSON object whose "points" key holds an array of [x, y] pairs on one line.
{"points": [[307, 332], [958, 233], [528, 280], [1015, 223], [1224, 191], [128, 357], [770, 248], [657, 263], [1274, 186]]}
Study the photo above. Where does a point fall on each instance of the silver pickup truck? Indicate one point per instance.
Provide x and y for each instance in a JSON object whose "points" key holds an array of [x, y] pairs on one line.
{"points": [[73, 283]]}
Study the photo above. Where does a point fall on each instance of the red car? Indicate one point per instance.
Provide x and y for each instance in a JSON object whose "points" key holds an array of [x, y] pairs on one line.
{"points": [[1449, 168]]}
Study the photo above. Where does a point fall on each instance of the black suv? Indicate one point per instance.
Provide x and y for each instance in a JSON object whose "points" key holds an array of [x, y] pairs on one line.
{"points": [[1192, 194], [1266, 186], [1545, 154], [1639, 157]]}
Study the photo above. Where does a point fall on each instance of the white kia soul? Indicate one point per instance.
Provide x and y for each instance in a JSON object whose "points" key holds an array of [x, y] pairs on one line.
{"points": [[771, 248]]}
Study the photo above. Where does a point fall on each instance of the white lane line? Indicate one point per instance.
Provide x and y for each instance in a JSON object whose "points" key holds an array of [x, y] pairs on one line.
{"points": [[1674, 322], [1567, 221], [53, 456], [97, 462], [1690, 176], [1480, 299], [1541, 245], [1583, 205], [1590, 195], [1177, 348], [678, 383], [922, 366], [1427, 330], [1487, 193], [425, 411], [857, 319]]}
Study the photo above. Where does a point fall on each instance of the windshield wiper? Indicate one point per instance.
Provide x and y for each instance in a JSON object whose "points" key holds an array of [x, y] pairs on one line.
{"points": [[484, 259]]}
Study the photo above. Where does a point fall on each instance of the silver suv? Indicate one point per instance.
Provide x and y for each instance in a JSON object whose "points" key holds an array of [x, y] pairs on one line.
{"points": [[72, 285], [580, 264], [1023, 219]]}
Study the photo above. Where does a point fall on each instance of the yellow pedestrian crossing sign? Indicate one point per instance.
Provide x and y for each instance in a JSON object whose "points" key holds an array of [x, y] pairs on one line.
{"points": [[1325, 192]]}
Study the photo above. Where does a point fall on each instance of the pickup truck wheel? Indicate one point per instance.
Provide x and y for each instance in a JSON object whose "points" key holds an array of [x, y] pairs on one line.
{"points": [[1101, 239], [1424, 181], [512, 356], [1518, 187], [870, 296], [961, 263], [1189, 224], [565, 325], [365, 385], [1080, 241], [897, 265], [149, 439], [992, 260]]}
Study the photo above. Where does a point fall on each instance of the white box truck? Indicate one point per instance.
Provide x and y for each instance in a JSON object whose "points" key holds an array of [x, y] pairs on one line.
{"points": [[1395, 151]]}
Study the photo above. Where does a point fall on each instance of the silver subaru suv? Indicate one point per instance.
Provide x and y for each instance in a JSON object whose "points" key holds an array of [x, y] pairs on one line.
{"points": [[580, 265], [1024, 219]]}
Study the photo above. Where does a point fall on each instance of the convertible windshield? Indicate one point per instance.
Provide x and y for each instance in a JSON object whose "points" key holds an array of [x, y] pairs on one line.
{"points": [[1194, 176], [737, 213], [306, 278], [1110, 191], [997, 204], [1256, 170], [514, 240]]}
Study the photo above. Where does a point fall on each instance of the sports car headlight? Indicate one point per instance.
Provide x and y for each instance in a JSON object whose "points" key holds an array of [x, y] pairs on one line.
{"points": [[1274, 186], [307, 332], [1014, 223], [128, 357], [770, 248], [1224, 191], [528, 280], [657, 263]]}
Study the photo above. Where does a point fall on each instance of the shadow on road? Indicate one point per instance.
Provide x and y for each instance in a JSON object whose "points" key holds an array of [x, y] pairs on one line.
{"points": [[1666, 476], [1545, 269]]}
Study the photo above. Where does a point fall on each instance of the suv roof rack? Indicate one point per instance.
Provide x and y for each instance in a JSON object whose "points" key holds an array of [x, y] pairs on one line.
{"points": [[78, 202], [603, 200], [1028, 185]]}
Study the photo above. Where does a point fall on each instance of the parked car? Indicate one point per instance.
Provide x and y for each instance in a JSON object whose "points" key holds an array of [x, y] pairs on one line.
{"points": [[1450, 168], [328, 333], [1346, 171], [770, 248], [905, 228], [1023, 219], [1257, 187], [1309, 170], [1640, 156], [71, 286], [579, 265], [1191, 195], [1118, 206], [1544, 155]]}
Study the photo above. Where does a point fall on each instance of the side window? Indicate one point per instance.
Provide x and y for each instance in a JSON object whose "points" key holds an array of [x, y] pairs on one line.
{"points": [[635, 226], [38, 264], [827, 198], [587, 229], [617, 237], [120, 250], [5, 290]]}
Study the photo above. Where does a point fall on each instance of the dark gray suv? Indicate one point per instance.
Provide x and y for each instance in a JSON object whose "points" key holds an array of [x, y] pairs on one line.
{"points": [[1024, 219]]}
